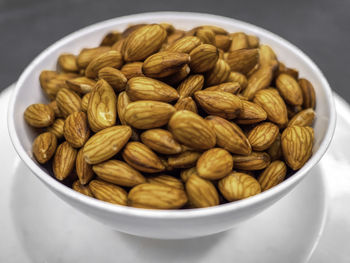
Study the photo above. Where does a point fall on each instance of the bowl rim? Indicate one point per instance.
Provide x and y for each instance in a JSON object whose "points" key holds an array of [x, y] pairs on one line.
{"points": [[169, 214]]}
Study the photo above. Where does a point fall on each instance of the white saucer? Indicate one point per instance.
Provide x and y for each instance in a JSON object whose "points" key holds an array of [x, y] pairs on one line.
{"points": [[38, 227]]}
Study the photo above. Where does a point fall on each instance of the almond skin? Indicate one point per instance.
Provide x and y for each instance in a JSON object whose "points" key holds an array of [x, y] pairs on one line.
{"points": [[68, 62], [230, 87], [192, 130], [143, 42], [229, 136], [267, 57], [238, 77], [76, 130], [143, 88], [219, 103], [106, 143], [272, 175], [186, 173], [243, 60], [223, 42], [252, 162], [263, 135], [183, 160], [289, 89], [110, 58], [239, 41], [83, 169], [119, 173], [309, 97], [275, 150], [168, 180], [57, 128], [178, 76], [218, 74], [132, 70], [163, 64], [123, 102], [44, 147], [85, 102], [303, 118], [161, 141], [185, 44], [81, 85], [260, 79], [214, 164], [87, 54], [201, 192], [63, 161], [156, 196], [85, 190], [114, 77], [237, 186], [68, 101], [250, 113], [274, 106], [186, 104], [203, 58], [102, 107], [110, 38], [108, 192], [206, 35], [148, 114], [39, 115], [297, 145], [142, 158], [190, 85]]}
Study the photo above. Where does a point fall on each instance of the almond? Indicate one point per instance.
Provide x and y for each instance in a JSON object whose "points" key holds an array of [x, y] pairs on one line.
{"points": [[272, 175], [63, 161], [297, 145], [110, 58], [201, 192], [253, 41], [186, 173], [114, 77], [251, 113], [85, 102], [219, 103], [123, 102], [309, 97], [289, 89], [81, 85], [102, 107], [218, 74], [44, 147], [68, 62], [143, 88], [206, 35], [163, 64], [185, 44], [68, 101], [85, 190], [183, 160], [108, 192], [106, 143], [229, 136], [156, 196], [303, 118], [243, 60], [203, 58], [192, 130], [222, 42], [83, 169], [39, 115], [214, 164], [142, 158], [52, 85], [143, 42], [133, 69], [86, 55], [230, 87], [239, 41], [275, 150], [76, 130], [273, 104], [148, 114], [186, 104], [178, 76], [237, 186], [259, 80], [190, 85], [238, 77], [110, 38], [267, 57], [57, 128], [166, 180], [263, 135], [161, 141], [119, 173], [172, 38], [252, 162], [56, 110]]}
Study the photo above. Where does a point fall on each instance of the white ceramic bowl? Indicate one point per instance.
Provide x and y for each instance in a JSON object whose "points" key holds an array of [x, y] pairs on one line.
{"points": [[154, 223]]}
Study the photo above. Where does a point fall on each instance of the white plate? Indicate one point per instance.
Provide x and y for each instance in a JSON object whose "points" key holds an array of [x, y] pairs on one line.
{"points": [[36, 226]]}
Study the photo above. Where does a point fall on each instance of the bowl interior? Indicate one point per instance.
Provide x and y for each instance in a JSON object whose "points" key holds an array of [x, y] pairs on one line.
{"points": [[28, 89]]}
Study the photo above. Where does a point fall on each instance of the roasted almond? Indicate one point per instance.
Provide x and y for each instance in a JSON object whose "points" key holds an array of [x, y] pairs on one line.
{"points": [[192, 130], [119, 173], [229, 136], [190, 85], [201, 192], [106, 143], [219, 103], [243, 60], [237, 186], [289, 89], [76, 130], [142, 158], [114, 77], [143, 88], [44, 147], [148, 114], [272, 175], [102, 107], [252, 162], [108, 192], [250, 113], [39, 115], [203, 58], [156, 196], [68, 101], [161, 141], [263, 135], [214, 164], [63, 161]]}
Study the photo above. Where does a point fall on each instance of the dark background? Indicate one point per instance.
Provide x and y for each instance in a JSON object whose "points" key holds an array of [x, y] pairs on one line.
{"points": [[320, 28]]}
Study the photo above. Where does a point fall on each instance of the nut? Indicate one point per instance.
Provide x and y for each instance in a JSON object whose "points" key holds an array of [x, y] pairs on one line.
{"points": [[289, 89], [252, 162], [263, 135], [161, 141], [39, 115], [108, 192], [201, 192], [83, 169], [63, 161], [203, 58], [166, 180], [114, 77], [44, 147], [76, 130], [272, 175], [190, 85]]}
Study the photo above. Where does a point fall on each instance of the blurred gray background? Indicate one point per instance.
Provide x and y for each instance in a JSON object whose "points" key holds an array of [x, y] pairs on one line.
{"points": [[320, 28]]}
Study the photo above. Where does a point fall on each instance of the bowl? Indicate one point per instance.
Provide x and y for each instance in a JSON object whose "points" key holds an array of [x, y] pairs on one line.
{"points": [[166, 224]]}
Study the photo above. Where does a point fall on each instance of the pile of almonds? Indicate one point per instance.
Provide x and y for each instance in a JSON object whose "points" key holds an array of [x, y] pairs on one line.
{"points": [[161, 118]]}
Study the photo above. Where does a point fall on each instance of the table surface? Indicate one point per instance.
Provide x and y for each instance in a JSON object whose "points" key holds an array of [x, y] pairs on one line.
{"points": [[320, 28]]}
